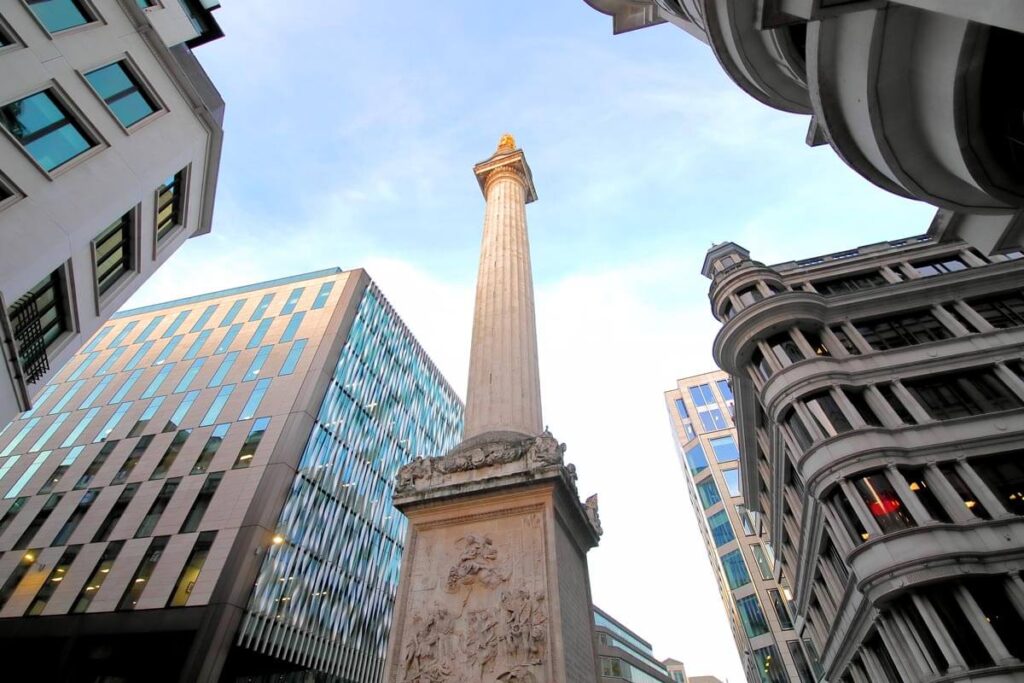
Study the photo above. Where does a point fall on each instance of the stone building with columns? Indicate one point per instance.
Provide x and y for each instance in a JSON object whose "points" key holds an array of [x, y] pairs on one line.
{"points": [[917, 96], [879, 397]]}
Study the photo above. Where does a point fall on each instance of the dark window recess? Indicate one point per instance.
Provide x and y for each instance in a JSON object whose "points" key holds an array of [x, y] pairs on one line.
{"points": [[883, 502], [924, 632], [141, 577], [12, 512], [943, 598], [958, 316], [824, 409], [850, 283], [116, 512], [803, 669], [1004, 474], [919, 487], [784, 348], [95, 465], [939, 266], [24, 564], [857, 397], [53, 581], [906, 329], [76, 517], [37, 521], [881, 652], [1000, 108], [816, 342], [193, 567], [997, 606], [114, 253], [749, 296], [895, 403], [157, 508], [38, 319], [960, 394], [98, 577], [1001, 310], [760, 364], [202, 502], [132, 460], [796, 427], [171, 454], [845, 340], [170, 202], [848, 517], [971, 502]]}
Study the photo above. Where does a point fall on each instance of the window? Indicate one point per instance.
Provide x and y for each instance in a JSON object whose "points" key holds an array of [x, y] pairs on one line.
{"points": [[114, 356], [24, 564], [322, 295], [1004, 474], [255, 398], [681, 409], [745, 520], [157, 508], [52, 582], [113, 252], [210, 449], [86, 362], [732, 482], [59, 15], [1001, 310], [58, 473], [721, 528], [803, 669], [218, 404], [943, 598], [780, 609], [172, 329], [126, 387], [204, 318], [147, 415], [251, 443], [28, 427], [168, 349], [708, 493], [99, 575], [119, 340], [827, 413], [725, 449], [197, 345], [194, 565], [960, 394], [178, 417], [292, 360], [293, 300], [119, 88], [261, 330], [749, 296], [148, 329], [37, 521], [12, 512], [752, 617], [171, 454], [229, 337], [72, 390], [905, 329], [915, 477], [844, 339], [222, 371], [45, 436], [116, 512], [760, 364], [997, 606], [189, 375], [784, 348], [229, 317], [261, 307], [971, 502], [79, 428], [764, 567], [696, 459], [770, 666], [735, 569], [112, 423], [38, 319], [857, 397], [84, 503], [139, 354], [46, 129], [170, 204], [883, 502], [293, 327], [154, 386], [145, 570], [95, 465], [850, 283], [27, 475], [39, 402], [946, 264], [132, 460], [847, 515], [797, 429], [195, 514], [257, 364]]}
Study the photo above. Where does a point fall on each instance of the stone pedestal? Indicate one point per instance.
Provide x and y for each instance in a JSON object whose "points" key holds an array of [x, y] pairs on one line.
{"points": [[494, 584]]}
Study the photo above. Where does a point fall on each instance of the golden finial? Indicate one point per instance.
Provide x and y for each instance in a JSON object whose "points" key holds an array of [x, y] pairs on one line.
{"points": [[507, 143]]}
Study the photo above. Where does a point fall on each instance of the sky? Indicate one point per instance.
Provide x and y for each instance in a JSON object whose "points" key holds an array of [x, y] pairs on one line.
{"points": [[350, 136]]}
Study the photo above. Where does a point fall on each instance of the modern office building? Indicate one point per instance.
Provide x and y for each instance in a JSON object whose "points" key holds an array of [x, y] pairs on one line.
{"points": [[756, 604], [917, 96], [625, 656], [879, 397], [110, 140], [204, 492], [676, 670]]}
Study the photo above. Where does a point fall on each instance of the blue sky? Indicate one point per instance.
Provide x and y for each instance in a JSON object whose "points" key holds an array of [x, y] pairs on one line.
{"points": [[351, 133]]}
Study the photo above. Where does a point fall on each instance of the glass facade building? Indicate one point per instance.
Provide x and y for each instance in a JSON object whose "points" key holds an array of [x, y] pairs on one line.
{"points": [[625, 656], [208, 484]]}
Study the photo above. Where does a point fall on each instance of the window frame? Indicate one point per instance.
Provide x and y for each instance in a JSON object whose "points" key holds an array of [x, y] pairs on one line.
{"points": [[8, 186], [103, 300], [75, 115], [139, 80], [160, 243], [95, 19]]}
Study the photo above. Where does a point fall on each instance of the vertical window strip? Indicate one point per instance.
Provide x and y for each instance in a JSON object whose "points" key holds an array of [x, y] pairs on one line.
{"points": [[132, 460], [293, 327], [58, 473], [229, 317], [109, 362], [322, 295], [292, 360], [8, 464], [82, 366], [210, 449], [156, 510], [189, 375], [126, 387], [28, 426], [168, 350], [47, 393], [140, 579], [95, 465], [222, 371], [176, 323], [97, 338], [257, 364], [99, 575], [178, 417], [112, 423], [193, 567], [197, 345], [79, 511], [261, 307], [119, 340], [144, 335], [52, 582], [154, 386], [218, 404], [201, 503], [115, 513], [170, 455], [72, 390], [229, 337], [139, 354], [114, 253], [100, 387], [293, 300], [255, 398], [46, 435], [169, 203], [261, 330], [146, 416], [204, 318]]}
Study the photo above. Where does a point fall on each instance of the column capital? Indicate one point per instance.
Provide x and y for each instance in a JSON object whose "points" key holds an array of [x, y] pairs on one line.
{"points": [[505, 163]]}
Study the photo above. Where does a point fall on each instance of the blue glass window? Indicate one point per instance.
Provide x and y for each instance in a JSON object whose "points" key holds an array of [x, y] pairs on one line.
{"points": [[681, 409], [696, 459], [322, 295], [218, 404], [721, 528], [45, 436], [45, 129], [168, 350], [112, 423], [735, 569], [724, 389], [197, 345], [708, 493], [189, 375], [261, 331], [94, 395], [146, 416], [154, 386], [26, 428], [176, 323], [42, 398], [204, 318], [97, 339], [139, 354], [780, 609], [178, 417], [725, 449], [144, 335], [27, 474], [257, 364], [223, 370], [229, 318], [770, 666], [126, 387], [752, 617], [119, 340], [229, 337], [711, 419], [86, 362], [210, 449], [121, 91], [732, 482], [79, 428], [293, 357], [251, 443], [253, 404], [59, 405], [293, 327], [109, 362], [293, 300], [701, 395], [59, 15], [261, 307]]}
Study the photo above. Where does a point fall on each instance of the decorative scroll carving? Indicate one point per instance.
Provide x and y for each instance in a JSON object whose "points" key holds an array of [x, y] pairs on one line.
{"points": [[591, 509], [477, 563]]}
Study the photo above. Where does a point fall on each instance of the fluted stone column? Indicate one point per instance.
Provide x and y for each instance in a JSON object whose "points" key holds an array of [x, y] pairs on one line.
{"points": [[503, 396]]}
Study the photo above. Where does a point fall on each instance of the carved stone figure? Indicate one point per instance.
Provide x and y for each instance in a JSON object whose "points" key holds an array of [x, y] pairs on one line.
{"points": [[428, 652], [525, 626], [478, 562], [481, 640], [409, 474], [591, 509], [518, 674], [545, 450]]}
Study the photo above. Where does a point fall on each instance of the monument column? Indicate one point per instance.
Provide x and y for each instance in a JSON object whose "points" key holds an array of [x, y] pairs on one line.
{"points": [[494, 585], [503, 396]]}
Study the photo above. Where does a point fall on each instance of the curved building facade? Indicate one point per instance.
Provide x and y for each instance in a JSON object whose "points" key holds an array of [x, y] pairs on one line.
{"points": [[915, 95], [880, 415]]}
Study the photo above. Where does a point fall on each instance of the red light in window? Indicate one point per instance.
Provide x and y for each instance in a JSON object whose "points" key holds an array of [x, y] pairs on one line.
{"points": [[884, 505]]}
